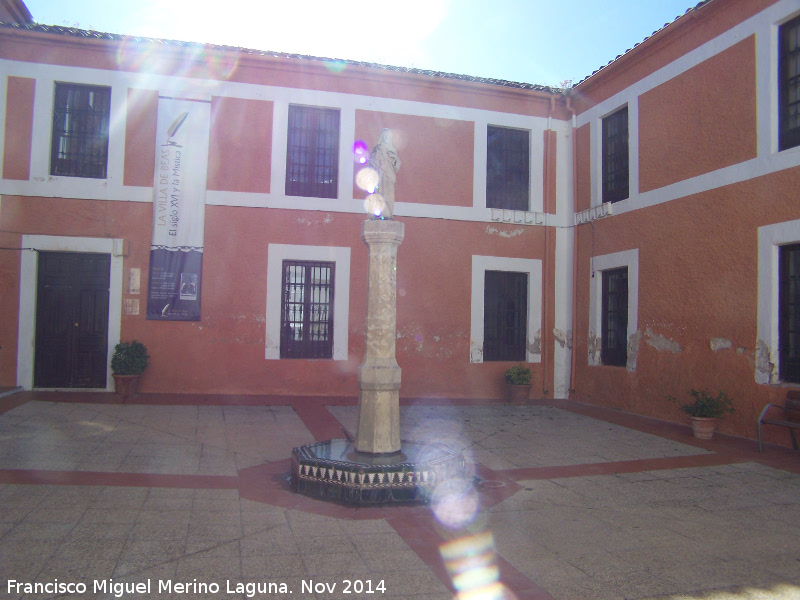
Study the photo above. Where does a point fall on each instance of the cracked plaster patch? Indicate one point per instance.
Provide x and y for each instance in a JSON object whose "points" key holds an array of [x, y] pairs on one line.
{"points": [[765, 368], [719, 343], [633, 351], [506, 234], [535, 347], [563, 339], [475, 352], [661, 342], [328, 218], [594, 344]]}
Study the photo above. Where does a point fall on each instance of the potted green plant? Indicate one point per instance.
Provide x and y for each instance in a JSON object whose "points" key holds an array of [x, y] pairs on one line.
{"points": [[127, 364], [705, 411], [518, 383]]}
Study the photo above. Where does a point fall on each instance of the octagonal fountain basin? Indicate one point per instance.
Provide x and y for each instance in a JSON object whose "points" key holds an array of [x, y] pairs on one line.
{"points": [[334, 470]]}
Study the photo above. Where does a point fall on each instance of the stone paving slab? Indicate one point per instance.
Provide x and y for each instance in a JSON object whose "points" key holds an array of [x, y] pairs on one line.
{"points": [[695, 530], [129, 438], [158, 500], [509, 437]]}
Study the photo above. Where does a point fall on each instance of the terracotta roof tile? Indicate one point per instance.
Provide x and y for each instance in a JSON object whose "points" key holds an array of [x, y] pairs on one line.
{"points": [[84, 33]]}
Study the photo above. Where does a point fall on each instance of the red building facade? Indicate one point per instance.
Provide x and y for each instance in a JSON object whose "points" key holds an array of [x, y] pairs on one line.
{"points": [[630, 239]]}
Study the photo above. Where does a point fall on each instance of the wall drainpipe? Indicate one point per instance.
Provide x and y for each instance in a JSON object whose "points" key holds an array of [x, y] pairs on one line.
{"points": [[571, 109]]}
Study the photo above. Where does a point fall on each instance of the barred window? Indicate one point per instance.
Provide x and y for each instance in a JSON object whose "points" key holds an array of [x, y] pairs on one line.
{"points": [[615, 156], [80, 131], [307, 309], [614, 343], [789, 314], [507, 168], [789, 84], [312, 154], [505, 315]]}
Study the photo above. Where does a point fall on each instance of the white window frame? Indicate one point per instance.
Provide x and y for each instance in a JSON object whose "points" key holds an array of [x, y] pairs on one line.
{"points": [[605, 262], [531, 266], [529, 207], [770, 239], [600, 174], [277, 253]]}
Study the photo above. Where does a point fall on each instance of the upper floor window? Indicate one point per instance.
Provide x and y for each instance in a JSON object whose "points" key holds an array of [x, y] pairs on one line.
{"points": [[507, 168], [789, 83], [81, 116], [505, 315], [614, 342], [615, 156], [307, 309], [312, 153]]}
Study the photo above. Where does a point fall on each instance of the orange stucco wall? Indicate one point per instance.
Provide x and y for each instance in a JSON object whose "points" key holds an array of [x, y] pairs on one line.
{"points": [[224, 351], [19, 125], [241, 145], [9, 300], [437, 156], [689, 32], [140, 137], [583, 188], [701, 120], [698, 280], [698, 273], [433, 305], [550, 144]]}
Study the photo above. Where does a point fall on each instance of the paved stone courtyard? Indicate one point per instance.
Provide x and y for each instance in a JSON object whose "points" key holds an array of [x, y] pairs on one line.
{"points": [[579, 503]]}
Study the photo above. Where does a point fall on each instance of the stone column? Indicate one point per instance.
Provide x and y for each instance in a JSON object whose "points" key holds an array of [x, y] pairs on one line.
{"points": [[379, 376]]}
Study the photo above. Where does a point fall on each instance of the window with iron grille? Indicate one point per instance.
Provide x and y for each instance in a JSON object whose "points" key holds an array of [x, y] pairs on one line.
{"points": [[614, 342], [789, 83], [789, 314], [307, 309], [312, 153], [507, 168], [505, 315], [615, 156], [80, 131]]}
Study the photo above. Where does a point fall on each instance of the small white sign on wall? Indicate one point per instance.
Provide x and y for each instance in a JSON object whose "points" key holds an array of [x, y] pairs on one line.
{"points": [[130, 306], [134, 281]]}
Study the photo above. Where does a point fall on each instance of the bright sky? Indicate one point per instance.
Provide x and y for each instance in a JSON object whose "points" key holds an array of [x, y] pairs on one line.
{"points": [[534, 41]]}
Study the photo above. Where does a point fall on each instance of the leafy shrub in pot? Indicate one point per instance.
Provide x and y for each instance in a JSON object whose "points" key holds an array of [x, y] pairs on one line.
{"points": [[130, 358]]}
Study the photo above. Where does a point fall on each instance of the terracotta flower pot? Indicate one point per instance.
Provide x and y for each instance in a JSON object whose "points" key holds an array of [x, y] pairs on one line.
{"points": [[518, 394], [125, 385], [703, 427]]}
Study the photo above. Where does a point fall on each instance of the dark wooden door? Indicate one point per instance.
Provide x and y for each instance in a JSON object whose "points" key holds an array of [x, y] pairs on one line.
{"points": [[72, 320]]}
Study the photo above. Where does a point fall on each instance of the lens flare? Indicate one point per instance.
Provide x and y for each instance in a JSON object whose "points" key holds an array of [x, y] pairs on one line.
{"points": [[471, 563], [196, 61], [367, 179], [360, 152], [455, 503], [374, 204], [335, 66]]}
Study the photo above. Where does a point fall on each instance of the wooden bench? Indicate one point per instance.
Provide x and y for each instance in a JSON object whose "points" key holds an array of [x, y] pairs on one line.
{"points": [[791, 416]]}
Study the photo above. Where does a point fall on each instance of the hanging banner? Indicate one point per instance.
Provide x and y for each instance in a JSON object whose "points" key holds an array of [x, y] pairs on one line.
{"points": [[179, 205]]}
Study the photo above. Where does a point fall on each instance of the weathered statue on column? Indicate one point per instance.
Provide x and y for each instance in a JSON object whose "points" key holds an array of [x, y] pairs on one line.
{"points": [[385, 161], [379, 375], [376, 467]]}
